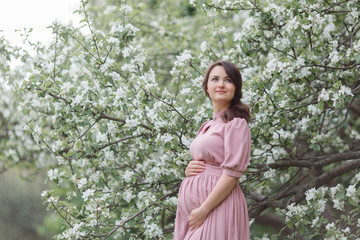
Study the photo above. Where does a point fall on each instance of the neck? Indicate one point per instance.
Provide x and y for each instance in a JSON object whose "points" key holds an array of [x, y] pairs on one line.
{"points": [[220, 107]]}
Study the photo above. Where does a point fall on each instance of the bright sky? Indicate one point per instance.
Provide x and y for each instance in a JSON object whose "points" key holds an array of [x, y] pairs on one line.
{"points": [[36, 14]]}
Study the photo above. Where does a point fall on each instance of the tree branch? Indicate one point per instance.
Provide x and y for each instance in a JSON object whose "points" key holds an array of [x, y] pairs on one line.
{"points": [[106, 116], [316, 161], [117, 141], [323, 179]]}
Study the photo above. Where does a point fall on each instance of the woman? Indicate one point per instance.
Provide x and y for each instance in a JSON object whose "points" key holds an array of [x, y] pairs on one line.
{"points": [[211, 205]]}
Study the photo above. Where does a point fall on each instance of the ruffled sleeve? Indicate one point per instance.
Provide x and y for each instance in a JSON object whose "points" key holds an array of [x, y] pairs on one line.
{"points": [[237, 140]]}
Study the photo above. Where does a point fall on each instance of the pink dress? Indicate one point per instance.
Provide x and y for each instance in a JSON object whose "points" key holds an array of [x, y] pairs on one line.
{"points": [[225, 148]]}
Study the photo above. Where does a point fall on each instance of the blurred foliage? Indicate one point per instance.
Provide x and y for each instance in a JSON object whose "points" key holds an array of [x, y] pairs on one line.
{"points": [[23, 217]]}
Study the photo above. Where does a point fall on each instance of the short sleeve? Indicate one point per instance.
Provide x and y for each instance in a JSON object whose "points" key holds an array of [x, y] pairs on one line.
{"points": [[237, 141]]}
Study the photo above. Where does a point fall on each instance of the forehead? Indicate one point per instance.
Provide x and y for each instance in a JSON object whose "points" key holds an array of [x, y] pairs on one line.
{"points": [[218, 71]]}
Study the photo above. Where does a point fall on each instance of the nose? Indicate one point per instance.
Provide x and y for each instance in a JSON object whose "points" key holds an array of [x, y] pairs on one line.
{"points": [[221, 83]]}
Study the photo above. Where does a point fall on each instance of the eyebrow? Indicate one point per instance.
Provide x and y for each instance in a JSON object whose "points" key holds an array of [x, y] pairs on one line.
{"points": [[218, 76]]}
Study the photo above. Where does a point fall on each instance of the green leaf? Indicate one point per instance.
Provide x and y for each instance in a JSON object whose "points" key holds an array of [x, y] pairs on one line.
{"points": [[321, 105], [78, 144], [64, 35]]}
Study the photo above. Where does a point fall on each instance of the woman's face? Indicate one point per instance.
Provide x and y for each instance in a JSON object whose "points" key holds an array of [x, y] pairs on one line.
{"points": [[219, 86]]}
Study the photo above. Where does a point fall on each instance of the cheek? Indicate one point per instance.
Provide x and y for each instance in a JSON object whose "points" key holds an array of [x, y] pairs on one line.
{"points": [[232, 88]]}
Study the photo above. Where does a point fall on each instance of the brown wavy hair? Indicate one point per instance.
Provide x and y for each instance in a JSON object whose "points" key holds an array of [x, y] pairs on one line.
{"points": [[237, 109]]}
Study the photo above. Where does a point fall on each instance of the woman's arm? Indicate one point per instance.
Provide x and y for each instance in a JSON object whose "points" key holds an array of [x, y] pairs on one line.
{"points": [[221, 190]]}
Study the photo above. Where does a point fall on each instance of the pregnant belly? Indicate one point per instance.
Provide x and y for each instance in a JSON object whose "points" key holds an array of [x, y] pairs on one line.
{"points": [[194, 190]]}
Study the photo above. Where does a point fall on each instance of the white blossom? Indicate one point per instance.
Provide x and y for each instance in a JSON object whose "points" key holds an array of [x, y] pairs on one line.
{"points": [[183, 58], [303, 124], [52, 200], [166, 138], [334, 190], [203, 46], [324, 95], [357, 177], [328, 29], [270, 173], [313, 109], [131, 123], [314, 222], [153, 230], [126, 8], [356, 46], [345, 91], [320, 205], [351, 193], [293, 209], [311, 194], [88, 193], [346, 230], [238, 36], [53, 174], [101, 137], [44, 193], [186, 141], [128, 175], [334, 57], [82, 182], [78, 99], [330, 226], [129, 67]]}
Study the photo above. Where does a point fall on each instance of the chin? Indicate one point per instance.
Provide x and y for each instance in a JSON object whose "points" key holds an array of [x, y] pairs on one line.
{"points": [[221, 100]]}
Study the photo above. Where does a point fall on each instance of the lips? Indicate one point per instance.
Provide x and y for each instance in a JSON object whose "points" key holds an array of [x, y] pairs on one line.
{"points": [[220, 91]]}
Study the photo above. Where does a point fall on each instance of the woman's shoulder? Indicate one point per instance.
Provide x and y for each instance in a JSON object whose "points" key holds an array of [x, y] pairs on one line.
{"points": [[236, 122]]}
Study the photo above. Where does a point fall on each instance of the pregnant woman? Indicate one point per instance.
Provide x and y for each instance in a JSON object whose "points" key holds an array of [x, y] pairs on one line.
{"points": [[211, 205]]}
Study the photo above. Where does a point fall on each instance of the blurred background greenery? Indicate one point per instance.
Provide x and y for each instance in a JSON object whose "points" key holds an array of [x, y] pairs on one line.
{"points": [[22, 215]]}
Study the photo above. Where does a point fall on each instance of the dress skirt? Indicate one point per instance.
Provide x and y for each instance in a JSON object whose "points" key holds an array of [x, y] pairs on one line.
{"points": [[228, 221]]}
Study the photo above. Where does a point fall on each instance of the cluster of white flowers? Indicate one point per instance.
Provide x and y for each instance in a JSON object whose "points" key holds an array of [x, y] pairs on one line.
{"points": [[203, 46], [126, 8], [324, 95], [131, 123], [72, 233], [119, 27], [183, 58], [81, 182], [303, 123], [270, 173], [310, 194], [149, 81], [351, 192], [127, 176], [295, 210], [88, 193], [146, 199], [128, 195], [53, 174]]}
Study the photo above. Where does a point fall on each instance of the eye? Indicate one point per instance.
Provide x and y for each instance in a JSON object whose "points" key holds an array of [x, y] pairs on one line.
{"points": [[214, 79], [228, 80]]}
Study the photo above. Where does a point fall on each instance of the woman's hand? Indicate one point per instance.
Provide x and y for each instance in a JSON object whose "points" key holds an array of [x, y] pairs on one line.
{"points": [[197, 217], [194, 168]]}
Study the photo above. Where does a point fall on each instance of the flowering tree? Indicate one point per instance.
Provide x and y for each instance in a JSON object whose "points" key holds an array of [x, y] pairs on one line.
{"points": [[116, 104], [16, 148]]}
